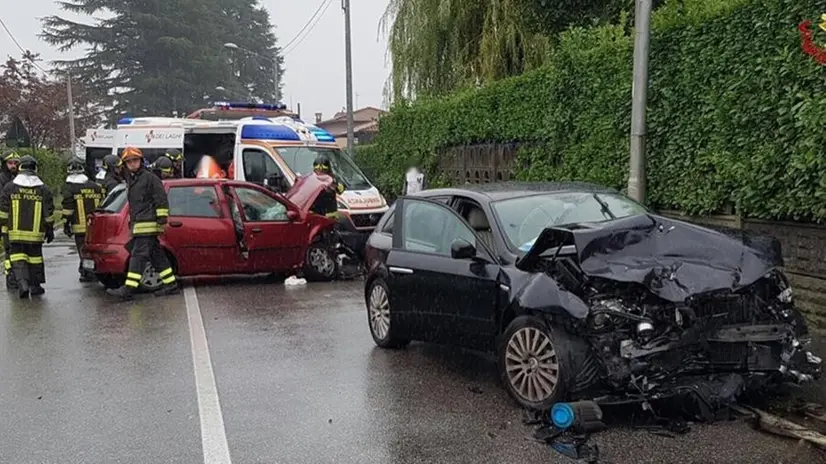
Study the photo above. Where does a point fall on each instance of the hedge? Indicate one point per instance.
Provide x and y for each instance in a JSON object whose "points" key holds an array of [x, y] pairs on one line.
{"points": [[736, 114], [51, 166]]}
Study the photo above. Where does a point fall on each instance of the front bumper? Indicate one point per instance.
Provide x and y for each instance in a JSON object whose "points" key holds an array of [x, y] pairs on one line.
{"points": [[108, 258], [365, 220]]}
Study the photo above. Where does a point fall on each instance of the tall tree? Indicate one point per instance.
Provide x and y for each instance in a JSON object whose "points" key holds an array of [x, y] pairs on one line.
{"points": [[39, 102], [437, 46], [156, 57]]}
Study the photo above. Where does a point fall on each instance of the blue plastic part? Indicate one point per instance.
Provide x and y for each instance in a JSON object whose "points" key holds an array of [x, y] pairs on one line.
{"points": [[125, 121], [562, 415], [269, 132], [261, 118], [321, 134]]}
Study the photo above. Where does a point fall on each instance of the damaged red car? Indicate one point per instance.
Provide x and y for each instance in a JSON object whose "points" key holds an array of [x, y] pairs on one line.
{"points": [[217, 227], [583, 293]]}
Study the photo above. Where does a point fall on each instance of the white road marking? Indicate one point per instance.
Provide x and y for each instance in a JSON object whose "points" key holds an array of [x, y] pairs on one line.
{"points": [[213, 433]]}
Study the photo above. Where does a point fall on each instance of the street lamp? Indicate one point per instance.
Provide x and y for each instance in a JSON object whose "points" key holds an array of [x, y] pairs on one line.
{"points": [[274, 61]]}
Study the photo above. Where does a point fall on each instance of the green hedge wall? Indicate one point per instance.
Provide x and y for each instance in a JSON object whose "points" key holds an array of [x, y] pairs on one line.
{"points": [[51, 166], [737, 113]]}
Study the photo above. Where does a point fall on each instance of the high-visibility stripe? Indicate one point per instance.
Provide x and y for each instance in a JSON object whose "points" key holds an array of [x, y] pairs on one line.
{"points": [[26, 236], [4, 215], [16, 257], [7, 264], [134, 276], [132, 283], [4, 230], [23, 257], [38, 215], [79, 228], [166, 272], [162, 212], [169, 280], [146, 228], [15, 220], [68, 212], [81, 211], [35, 260]]}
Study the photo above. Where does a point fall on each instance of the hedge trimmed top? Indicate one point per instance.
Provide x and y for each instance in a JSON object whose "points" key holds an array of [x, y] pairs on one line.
{"points": [[737, 113]]}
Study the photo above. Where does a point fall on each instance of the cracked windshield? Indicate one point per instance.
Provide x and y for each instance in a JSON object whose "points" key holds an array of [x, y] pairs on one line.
{"points": [[395, 231]]}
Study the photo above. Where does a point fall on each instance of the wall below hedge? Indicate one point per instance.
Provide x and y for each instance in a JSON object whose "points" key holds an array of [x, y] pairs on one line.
{"points": [[736, 113]]}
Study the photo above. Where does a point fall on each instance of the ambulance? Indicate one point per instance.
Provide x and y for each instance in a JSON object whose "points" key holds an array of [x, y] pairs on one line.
{"points": [[97, 143], [258, 149]]}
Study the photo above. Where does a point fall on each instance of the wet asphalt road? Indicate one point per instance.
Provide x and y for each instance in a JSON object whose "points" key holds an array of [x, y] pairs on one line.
{"points": [[87, 379]]}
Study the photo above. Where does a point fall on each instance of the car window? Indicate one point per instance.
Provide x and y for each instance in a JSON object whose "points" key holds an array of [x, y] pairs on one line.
{"points": [[198, 201], [388, 225], [524, 218], [260, 207], [115, 200], [258, 165], [432, 228]]}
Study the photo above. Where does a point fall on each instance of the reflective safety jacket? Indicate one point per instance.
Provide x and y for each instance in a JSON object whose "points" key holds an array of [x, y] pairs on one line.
{"points": [[148, 205], [26, 209], [81, 196]]}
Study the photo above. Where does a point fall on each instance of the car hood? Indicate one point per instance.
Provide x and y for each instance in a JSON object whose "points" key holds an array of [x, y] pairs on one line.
{"points": [[673, 259], [307, 188]]}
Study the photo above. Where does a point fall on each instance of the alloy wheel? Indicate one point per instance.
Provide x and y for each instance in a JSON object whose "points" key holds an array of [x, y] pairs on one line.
{"points": [[321, 261], [531, 364], [379, 312], [151, 279]]}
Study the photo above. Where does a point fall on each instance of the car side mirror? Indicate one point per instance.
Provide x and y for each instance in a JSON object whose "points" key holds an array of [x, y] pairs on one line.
{"points": [[462, 249], [292, 215]]}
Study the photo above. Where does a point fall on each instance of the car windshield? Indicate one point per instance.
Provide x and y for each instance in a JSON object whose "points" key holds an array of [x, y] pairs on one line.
{"points": [[115, 201], [300, 160], [524, 218]]}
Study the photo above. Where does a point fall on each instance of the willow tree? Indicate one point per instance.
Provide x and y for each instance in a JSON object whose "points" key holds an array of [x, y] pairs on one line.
{"points": [[438, 46]]}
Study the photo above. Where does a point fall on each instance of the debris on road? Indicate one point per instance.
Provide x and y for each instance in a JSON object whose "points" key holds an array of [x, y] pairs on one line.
{"points": [[776, 425], [569, 428], [294, 281]]}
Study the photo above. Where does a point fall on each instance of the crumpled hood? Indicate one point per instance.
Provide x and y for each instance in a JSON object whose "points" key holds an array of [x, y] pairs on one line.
{"points": [[673, 259]]}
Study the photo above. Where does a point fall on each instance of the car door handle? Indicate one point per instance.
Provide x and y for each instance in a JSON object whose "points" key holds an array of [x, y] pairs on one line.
{"points": [[401, 270], [175, 224], [257, 230]]}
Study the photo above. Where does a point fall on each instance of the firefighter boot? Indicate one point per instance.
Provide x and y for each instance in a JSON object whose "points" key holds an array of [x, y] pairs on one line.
{"points": [[37, 290], [124, 293], [11, 282], [23, 289], [171, 289]]}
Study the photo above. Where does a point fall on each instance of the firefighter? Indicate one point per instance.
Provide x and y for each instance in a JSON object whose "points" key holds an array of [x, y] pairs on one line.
{"points": [[81, 196], [148, 212], [327, 204], [112, 177], [177, 159], [27, 210], [163, 168], [7, 172]]}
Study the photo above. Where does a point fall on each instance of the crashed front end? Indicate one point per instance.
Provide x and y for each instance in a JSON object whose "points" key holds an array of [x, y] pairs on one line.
{"points": [[644, 343], [659, 305]]}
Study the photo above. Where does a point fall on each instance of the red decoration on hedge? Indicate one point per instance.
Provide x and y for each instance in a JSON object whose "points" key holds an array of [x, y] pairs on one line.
{"points": [[808, 44]]}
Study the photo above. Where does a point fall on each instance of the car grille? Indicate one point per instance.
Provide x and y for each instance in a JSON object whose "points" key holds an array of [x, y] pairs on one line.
{"points": [[365, 220], [732, 309]]}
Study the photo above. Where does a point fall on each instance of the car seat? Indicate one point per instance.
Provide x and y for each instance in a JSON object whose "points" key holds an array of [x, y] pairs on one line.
{"points": [[479, 222]]}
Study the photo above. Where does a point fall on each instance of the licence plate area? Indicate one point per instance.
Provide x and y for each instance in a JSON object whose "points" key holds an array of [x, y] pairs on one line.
{"points": [[88, 264]]}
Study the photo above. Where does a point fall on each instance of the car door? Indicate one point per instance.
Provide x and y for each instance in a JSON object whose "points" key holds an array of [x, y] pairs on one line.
{"points": [[441, 299], [200, 233], [274, 242]]}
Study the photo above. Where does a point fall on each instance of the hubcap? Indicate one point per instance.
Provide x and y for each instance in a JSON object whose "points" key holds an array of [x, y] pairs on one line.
{"points": [[321, 261], [531, 364], [151, 279], [379, 312]]}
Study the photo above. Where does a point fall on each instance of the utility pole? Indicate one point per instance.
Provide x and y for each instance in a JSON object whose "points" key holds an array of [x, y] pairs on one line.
{"points": [[639, 99], [348, 57], [277, 77], [71, 112]]}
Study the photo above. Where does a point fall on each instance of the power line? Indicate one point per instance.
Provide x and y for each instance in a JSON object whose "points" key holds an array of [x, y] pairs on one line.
{"points": [[286, 52], [320, 6], [22, 50]]}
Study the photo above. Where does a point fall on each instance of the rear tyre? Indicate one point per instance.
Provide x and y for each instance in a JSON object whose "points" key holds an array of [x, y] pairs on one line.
{"points": [[320, 263], [532, 363], [379, 318]]}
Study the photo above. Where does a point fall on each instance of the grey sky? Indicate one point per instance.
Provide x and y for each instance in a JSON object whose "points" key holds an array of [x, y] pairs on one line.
{"points": [[315, 68]]}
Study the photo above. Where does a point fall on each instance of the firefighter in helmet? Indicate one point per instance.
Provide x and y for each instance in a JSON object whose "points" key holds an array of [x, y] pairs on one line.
{"points": [[327, 204], [177, 159], [148, 212], [7, 172], [163, 168], [112, 176], [81, 196], [27, 212]]}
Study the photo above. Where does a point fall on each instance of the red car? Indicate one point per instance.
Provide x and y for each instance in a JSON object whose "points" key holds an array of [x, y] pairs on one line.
{"points": [[217, 227]]}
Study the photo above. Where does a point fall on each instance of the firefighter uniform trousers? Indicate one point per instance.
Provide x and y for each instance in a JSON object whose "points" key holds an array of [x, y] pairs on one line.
{"points": [[146, 249], [27, 262]]}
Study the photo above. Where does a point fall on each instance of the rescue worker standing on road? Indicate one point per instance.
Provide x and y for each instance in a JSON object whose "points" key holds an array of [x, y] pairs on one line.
{"points": [[111, 164], [148, 212], [27, 210], [81, 196], [327, 204], [7, 172]]}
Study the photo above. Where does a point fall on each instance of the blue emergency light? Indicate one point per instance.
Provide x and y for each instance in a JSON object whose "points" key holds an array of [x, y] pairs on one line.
{"points": [[125, 121], [269, 132], [321, 134]]}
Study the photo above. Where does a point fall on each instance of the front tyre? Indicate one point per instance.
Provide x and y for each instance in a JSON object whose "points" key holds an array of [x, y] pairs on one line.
{"points": [[320, 263], [531, 363], [379, 317]]}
